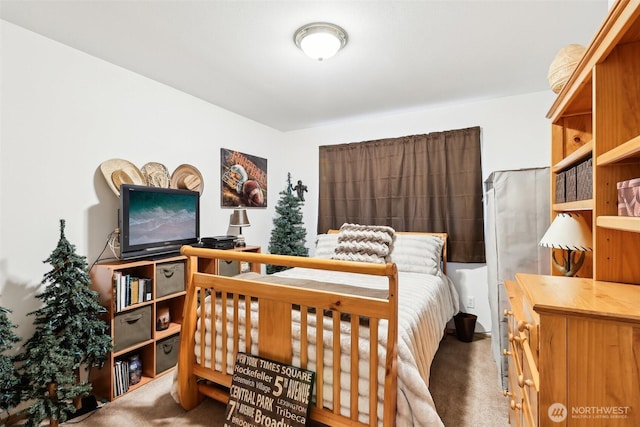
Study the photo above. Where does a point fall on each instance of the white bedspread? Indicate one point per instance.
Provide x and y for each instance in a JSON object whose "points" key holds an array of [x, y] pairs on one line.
{"points": [[425, 304]]}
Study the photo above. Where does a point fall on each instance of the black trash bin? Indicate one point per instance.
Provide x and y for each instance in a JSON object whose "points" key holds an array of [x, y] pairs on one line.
{"points": [[465, 325]]}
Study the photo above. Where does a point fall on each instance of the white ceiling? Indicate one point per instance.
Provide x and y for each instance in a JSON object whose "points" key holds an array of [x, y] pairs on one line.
{"points": [[401, 55]]}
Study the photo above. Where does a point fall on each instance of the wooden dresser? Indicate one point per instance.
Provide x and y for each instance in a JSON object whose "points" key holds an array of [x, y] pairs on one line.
{"points": [[574, 343], [574, 352]]}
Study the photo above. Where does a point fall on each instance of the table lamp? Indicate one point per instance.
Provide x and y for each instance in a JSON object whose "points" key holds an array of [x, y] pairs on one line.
{"points": [[239, 219], [570, 232]]}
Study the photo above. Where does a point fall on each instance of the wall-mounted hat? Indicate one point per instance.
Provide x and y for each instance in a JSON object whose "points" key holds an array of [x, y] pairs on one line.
{"points": [[118, 171], [187, 177], [156, 174]]}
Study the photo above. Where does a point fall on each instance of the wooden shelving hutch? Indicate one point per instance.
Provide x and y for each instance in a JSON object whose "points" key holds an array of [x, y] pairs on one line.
{"points": [[574, 341], [140, 319], [597, 114], [157, 349]]}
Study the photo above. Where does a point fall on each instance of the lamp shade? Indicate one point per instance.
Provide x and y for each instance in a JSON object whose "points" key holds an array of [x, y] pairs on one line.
{"points": [[320, 40], [240, 218], [568, 231]]}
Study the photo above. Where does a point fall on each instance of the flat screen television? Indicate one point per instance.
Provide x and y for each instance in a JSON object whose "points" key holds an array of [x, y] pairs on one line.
{"points": [[157, 221]]}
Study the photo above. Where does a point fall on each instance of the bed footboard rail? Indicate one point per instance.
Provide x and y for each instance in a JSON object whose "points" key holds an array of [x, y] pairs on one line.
{"points": [[348, 339]]}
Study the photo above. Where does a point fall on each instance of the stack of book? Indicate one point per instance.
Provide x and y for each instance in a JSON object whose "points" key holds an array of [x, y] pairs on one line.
{"points": [[130, 290], [120, 377]]}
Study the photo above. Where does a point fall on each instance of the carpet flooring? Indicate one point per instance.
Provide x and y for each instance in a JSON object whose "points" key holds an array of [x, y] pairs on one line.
{"points": [[464, 385]]}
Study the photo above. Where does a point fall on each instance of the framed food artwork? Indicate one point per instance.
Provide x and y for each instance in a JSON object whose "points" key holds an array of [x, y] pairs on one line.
{"points": [[243, 179]]}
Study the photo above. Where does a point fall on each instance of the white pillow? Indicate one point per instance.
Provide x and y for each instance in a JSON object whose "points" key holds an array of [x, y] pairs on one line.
{"points": [[326, 245], [417, 253]]}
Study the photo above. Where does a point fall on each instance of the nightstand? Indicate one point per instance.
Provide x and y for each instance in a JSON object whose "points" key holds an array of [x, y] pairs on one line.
{"points": [[230, 268]]}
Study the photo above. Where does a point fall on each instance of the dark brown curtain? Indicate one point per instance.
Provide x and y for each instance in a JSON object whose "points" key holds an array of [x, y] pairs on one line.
{"points": [[429, 182]]}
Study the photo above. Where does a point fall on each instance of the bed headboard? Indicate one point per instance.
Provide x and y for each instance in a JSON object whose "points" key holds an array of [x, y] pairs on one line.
{"points": [[442, 236]]}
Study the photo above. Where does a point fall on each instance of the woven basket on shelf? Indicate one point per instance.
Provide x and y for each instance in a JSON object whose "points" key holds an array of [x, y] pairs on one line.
{"points": [[560, 188], [563, 65], [570, 185], [584, 180]]}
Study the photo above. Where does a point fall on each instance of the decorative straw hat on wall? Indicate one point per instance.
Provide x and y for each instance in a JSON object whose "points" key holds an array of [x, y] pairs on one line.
{"points": [[119, 171], [156, 174], [187, 177]]}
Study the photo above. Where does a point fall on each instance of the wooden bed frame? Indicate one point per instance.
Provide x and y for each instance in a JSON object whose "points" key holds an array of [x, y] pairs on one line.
{"points": [[274, 329]]}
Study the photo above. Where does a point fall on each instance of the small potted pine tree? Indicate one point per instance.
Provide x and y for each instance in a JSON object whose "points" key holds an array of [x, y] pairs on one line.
{"points": [[288, 235], [9, 375], [70, 334]]}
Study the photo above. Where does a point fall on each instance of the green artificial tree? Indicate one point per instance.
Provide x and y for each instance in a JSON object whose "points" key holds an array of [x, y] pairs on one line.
{"points": [[9, 376], [69, 334], [289, 236]]}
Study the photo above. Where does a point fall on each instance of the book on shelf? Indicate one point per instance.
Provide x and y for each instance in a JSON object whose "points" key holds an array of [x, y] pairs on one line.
{"points": [[133, 286], [117, 280], [129, 290], [121, 377], [148, 289]]}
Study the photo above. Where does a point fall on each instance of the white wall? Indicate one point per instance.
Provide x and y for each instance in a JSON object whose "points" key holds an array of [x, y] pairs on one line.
{"points": [[64, 112], [514, 132]]}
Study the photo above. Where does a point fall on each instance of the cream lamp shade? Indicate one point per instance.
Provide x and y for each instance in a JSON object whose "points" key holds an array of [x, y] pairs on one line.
{"points": [[320, 40], [240, 219], [568, 231]]}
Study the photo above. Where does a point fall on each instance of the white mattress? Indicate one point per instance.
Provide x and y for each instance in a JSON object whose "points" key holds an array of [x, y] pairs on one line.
{"points": [[425, 304]]}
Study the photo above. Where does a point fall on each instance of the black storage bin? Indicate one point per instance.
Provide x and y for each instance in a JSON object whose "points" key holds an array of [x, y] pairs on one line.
{"points": [[169, 278], [167, 353], [465, 326], [131, 327]]}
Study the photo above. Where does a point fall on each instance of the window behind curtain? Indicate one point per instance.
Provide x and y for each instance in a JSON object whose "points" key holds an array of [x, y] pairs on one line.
{"points": [[429, 182]]}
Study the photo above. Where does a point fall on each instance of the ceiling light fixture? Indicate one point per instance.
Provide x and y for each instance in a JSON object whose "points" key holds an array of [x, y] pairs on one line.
{"points": [[320, 40]]}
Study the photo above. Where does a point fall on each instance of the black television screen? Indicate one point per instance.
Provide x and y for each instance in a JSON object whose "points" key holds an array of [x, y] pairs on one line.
{"points": [[155, 220]]}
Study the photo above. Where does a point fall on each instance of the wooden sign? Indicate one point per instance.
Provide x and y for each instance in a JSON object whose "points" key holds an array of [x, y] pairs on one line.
{"points": [[267, 393]]}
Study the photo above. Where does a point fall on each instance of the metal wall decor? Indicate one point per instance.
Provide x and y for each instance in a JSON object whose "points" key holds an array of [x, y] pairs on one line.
{"points": [[300, 189]]}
